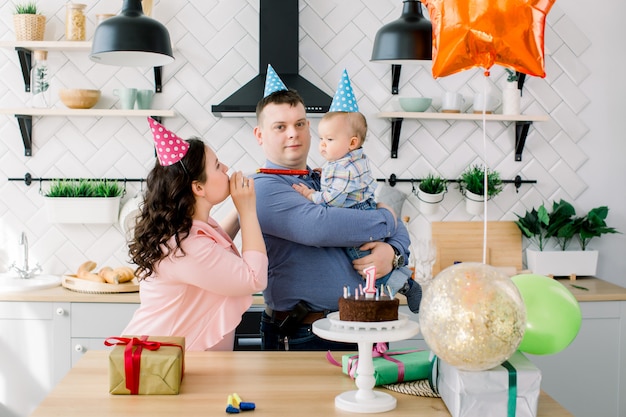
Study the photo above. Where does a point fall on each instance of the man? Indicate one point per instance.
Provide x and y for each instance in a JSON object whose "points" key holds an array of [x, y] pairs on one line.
{"points": [[308, 266]]}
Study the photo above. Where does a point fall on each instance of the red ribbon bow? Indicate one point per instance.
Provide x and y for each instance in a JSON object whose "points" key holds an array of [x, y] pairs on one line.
{"points": [[132, 357]]}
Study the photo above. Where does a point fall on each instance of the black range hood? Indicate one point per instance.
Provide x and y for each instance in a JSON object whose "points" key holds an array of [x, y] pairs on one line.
{"points": [[279, 47]]}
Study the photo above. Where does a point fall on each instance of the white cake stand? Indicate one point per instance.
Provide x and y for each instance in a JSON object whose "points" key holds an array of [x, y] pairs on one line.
{"points": [[365, 399]]}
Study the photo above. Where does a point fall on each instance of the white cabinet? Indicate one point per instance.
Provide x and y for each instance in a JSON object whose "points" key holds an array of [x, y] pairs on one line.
{"points": [[92, 323], [30, 359], [588, 376], [40, 341]]}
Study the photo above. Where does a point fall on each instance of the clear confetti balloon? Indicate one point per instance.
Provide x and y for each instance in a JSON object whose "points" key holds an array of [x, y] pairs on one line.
{"points": [[472, 316]]}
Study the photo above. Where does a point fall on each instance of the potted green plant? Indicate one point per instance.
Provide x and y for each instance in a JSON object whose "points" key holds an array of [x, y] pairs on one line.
{"points": [[29, 23], [561, 226], [430, 192], [472, 186], [83, 201]]}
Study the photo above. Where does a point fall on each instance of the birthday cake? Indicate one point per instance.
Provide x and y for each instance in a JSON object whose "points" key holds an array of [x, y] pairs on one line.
{"points": [[360, 308]]}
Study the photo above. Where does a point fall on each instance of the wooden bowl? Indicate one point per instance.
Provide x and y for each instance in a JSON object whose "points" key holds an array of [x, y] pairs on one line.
{"points": [[78, 98]]}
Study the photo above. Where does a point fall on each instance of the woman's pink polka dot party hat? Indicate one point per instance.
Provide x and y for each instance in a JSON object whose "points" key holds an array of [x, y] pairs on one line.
{"points": [[169, 147]]}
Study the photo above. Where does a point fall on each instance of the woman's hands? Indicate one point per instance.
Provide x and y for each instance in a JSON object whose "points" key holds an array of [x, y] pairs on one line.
{"points": [[244, 198], [242, 193]]}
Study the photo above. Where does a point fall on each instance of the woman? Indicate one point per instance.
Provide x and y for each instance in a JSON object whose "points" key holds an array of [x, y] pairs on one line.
{"points": [[194, 282]]}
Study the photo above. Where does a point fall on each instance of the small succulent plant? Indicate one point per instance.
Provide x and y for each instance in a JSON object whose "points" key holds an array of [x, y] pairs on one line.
{"points": [[29, 7]]}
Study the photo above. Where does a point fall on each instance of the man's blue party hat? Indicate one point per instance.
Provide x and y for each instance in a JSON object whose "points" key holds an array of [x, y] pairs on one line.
{"points": [[272, 82]]}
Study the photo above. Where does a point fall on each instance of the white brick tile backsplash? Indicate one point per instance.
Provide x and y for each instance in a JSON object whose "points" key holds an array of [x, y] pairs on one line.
{"points": [[216, 50]]}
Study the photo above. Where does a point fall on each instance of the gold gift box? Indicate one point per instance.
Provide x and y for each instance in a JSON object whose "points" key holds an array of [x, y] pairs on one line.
{"points": [[160, 370]]}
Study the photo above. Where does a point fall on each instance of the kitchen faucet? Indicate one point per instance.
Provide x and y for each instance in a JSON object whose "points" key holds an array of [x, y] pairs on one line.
{"points": [[25, 271]]}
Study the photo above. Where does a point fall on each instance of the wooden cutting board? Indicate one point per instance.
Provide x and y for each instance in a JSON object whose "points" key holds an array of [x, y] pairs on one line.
{"points": [[72, 282], [463, 242]]}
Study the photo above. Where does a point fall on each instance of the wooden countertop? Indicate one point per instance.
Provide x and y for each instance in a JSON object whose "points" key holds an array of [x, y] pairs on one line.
{"points": [[265, 378], [597, 290]]}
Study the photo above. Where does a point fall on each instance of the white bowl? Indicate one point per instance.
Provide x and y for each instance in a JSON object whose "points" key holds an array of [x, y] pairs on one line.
{"points": [[415, 104]]}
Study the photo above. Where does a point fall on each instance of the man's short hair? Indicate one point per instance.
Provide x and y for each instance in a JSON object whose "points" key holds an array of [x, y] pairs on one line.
{"points": [[290, 97]]}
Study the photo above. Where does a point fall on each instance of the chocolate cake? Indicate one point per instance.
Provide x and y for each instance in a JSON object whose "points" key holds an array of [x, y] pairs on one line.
{"points": [[368, 309]]}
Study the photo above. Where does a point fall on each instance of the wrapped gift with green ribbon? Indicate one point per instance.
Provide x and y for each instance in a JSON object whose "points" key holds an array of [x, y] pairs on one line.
{"points": [[507, 390], [146, 365], [391, 366]]}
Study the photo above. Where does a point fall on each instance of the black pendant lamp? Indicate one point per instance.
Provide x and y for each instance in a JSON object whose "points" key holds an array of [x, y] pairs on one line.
{"points": [[409, 38], [132, 39]]}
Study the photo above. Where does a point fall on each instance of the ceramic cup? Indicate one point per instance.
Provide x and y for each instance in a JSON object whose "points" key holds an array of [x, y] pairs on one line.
{"points": [[127, 97], [485, 102], [144, 99], [452, 102]]}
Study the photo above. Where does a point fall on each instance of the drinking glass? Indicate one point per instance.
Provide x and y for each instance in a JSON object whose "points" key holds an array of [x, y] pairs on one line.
{"points": [[425, 256]]}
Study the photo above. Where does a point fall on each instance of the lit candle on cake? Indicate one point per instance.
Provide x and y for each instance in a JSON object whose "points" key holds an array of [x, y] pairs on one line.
{"points": [[370, 281]]}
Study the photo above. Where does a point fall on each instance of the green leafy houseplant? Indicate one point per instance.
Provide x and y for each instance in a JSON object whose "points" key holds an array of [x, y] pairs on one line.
{"points": [[592, 225], [539, 225], [511, 75], [472, 179], [433, 184]]}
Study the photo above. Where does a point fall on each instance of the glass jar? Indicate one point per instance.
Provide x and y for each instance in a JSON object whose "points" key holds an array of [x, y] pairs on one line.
{"points": [[75, 22], [40, 80], [102, 17]]}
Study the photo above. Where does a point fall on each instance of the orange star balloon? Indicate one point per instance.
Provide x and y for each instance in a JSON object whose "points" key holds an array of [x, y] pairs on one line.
{"points": [[480, 33]]}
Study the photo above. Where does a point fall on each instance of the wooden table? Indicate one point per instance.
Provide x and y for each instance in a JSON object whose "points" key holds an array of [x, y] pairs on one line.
{"points": [[280, 383]]}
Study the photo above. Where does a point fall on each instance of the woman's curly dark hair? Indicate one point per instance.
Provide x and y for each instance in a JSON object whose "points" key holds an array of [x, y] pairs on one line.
{"points": [[167, 209]]}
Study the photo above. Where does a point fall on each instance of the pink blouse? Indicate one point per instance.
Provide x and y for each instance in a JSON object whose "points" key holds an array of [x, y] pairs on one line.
{"points": [[203, 294]]}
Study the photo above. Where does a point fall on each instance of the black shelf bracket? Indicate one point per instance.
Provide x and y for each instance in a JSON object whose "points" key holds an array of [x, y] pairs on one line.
{"points": [[521, 132], [24, 56], [395, 78], [396, 127], [25, 123], [521, 77], [158, 80]]}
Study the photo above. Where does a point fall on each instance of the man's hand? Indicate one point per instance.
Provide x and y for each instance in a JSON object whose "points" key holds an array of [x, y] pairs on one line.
{"points": [[381, 257], [304, 190]]}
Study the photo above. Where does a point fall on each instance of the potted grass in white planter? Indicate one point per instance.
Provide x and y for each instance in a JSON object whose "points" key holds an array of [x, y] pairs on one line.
{"points": [[472, 186], [562, 226], [83, 201], [430, 193]]}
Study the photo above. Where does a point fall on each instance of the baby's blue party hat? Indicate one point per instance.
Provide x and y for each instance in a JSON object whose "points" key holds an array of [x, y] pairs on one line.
{"points": [[272, 82], [344, 96]]}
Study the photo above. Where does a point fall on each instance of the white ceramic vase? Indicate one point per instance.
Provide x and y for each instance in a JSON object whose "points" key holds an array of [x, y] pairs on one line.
{"points": [[511, 98]]}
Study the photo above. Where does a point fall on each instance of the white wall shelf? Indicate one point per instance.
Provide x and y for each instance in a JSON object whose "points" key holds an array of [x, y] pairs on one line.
{"points": [[25, 48], [522, 124], [29, 111], [25, 115]]}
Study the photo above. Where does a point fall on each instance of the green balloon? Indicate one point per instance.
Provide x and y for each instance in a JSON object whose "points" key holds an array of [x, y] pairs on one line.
{"points": [[553, 315]]}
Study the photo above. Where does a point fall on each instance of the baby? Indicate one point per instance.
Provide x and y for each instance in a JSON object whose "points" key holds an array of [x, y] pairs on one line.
{"points": [[346, 181]]}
